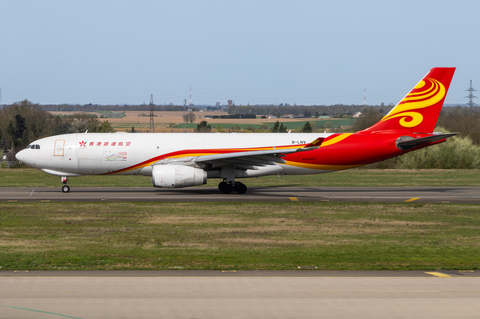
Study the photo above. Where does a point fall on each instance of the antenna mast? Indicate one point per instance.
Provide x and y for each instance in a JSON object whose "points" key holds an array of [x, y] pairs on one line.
{"points": [[190, 100], [471, 96], [184, 117], [364, 97], [152, 125]]}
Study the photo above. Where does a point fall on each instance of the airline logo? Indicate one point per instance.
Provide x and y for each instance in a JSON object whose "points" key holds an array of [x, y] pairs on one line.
{"points": [[84, 144], [426, 93]]}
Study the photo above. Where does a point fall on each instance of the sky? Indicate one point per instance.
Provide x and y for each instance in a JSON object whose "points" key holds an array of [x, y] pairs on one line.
{"points": [[257, 52]]}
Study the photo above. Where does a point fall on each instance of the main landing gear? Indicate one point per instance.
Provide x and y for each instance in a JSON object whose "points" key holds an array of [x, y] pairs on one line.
{"points": [[65, 187], [227, 188]]}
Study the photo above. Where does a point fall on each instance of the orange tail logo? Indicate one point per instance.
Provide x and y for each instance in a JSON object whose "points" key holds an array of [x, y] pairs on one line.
{"points": [[426, 93], [419, 110]]}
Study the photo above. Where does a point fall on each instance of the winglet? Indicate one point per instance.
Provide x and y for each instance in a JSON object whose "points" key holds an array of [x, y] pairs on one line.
{"points": [[312, 145]]}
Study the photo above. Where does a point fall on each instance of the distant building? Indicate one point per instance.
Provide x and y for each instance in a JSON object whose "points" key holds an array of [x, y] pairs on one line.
{"points": [[208, 116], [288, 116], [357, 115], [230, 102], [217, 104]]}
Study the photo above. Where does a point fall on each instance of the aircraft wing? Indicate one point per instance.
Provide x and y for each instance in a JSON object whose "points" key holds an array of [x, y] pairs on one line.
{"points": [[251, 159], [414, 142]]}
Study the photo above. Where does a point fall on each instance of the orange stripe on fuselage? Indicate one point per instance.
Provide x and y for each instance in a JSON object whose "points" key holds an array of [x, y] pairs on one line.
{"points": [[196, 153]]}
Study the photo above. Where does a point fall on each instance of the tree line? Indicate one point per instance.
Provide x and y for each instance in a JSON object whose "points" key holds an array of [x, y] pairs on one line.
{"points": [[113, 107], [24, 122], [306, 111]]}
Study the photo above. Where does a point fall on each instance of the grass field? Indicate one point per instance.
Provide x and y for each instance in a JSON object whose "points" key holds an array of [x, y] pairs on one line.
{"points": [[354, 177], [239, 236], [326, 235]]}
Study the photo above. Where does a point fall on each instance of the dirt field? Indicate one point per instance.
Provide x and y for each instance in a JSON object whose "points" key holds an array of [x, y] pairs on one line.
{"points": [[166, 120], [176, 117]]}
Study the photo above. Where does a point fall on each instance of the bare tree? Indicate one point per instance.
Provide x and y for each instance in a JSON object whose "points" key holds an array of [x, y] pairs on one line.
{"points": [[190, 117]]}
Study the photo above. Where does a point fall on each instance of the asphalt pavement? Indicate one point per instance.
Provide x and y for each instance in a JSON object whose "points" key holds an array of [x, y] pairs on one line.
{"points": [[462, 195]]}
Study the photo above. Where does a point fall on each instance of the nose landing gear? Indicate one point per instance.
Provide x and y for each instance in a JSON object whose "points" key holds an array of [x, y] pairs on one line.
{"points": [[65, 187]]}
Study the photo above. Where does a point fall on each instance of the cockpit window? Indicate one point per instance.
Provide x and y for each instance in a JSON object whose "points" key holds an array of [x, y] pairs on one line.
{"points": [[37, 147], [29, 146]]}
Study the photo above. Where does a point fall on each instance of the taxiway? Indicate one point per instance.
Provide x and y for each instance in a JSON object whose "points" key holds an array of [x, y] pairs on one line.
{"points": [[178, 294], [463, 195]]}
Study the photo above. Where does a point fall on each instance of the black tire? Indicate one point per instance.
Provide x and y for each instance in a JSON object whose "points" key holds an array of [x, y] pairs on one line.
{"points": [[225, 187], [65, 188], [240, 188]]}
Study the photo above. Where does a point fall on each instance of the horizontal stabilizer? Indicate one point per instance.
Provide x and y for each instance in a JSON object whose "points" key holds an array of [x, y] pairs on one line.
{"points": [[406, 142]]}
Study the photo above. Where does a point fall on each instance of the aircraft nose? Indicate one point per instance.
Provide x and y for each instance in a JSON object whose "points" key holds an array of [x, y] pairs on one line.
{"points": [[21, 156]]}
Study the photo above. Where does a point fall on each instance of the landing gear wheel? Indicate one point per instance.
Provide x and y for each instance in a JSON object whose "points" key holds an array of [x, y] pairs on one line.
{"points": [[240, 188], [65, 188], [225, 187]]}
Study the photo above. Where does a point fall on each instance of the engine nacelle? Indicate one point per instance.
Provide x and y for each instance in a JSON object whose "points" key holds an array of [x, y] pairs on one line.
{"points": [[176, 176]]}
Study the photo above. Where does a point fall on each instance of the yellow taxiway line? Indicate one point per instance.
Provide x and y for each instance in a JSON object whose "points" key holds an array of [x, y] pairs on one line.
{"points": [[438, 274]]}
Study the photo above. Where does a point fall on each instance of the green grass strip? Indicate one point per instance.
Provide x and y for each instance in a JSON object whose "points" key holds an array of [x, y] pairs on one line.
{"points": [[240, 236]]}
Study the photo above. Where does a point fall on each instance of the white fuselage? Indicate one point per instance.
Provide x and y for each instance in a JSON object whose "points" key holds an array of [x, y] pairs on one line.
{"points": [[124, 153]]}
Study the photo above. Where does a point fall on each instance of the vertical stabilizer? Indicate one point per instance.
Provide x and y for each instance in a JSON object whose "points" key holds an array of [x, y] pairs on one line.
{"points": [[418, 111]]}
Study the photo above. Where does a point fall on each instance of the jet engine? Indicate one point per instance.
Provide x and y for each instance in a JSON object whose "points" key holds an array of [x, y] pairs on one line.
{"points": [[176, 176]]}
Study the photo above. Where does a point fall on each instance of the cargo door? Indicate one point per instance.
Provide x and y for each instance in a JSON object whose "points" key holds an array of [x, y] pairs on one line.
{"points": [[59, 148]]}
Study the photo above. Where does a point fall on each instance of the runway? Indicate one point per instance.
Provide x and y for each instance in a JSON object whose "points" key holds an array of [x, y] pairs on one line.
{"points": [[460, 195], [177, 294]]}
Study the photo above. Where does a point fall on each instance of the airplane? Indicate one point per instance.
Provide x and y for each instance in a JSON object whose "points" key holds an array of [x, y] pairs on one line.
{"points": [[183, 160]]}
